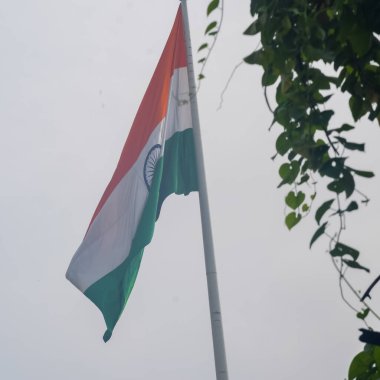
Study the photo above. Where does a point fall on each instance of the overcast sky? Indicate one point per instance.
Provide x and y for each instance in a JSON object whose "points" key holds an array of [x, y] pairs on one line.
{"points": [[72, 75]]}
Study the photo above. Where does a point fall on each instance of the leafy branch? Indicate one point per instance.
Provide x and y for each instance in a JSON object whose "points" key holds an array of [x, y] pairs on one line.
{"points": [[300, 42]]}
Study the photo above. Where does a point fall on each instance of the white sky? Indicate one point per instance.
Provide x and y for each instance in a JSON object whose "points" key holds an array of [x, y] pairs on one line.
{"points": [[72, 75]]}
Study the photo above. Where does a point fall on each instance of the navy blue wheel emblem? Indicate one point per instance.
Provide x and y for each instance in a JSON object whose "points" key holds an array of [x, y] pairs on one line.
{"points": [[150, 164]]}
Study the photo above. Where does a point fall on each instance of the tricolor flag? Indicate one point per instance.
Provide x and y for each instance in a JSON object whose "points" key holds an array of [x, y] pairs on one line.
{"points": [[158, 159]]}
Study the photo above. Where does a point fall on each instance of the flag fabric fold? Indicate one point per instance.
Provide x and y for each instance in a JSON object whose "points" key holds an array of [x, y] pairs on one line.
{"points": [[158, 159]]}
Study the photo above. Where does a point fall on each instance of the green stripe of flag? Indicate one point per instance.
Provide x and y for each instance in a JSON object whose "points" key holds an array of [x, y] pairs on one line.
{"points": [[175, 173]]}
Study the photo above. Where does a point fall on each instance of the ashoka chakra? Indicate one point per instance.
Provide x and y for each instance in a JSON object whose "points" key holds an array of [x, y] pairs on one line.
{"points": [[150, 164]]}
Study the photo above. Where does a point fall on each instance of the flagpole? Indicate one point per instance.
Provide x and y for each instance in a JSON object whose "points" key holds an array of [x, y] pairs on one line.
{"points": [[212, 281]]}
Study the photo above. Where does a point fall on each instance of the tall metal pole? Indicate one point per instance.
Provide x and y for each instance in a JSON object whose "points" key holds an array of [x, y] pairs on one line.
{"points": [[212, 282]]}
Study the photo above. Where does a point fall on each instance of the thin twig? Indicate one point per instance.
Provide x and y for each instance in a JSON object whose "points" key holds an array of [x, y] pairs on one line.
{"points": [[227, 84], [356, 293], [267, 100], [331, 144], [340, 218], [341, 275], [344, 298], [230, 78], [344, 278], [213, 43], [366, 199]]}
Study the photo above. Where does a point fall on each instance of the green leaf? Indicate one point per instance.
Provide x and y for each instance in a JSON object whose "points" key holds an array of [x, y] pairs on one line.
{"points": [[321, 81], [336, 186], [255, 5], [349, 183], [310, 53], [202, 60], [355, 265], [289, 172], [360, 39], [203, 46], [345, 183], [305, 207], [292, 155], [320, 231], [359, 366], [281, 116], [350, 145], [256, 58], [252, 29], [333, 167], [342, 250], [357, 107], [363, 314], [286, 25], [374, 375], [212, 6], [268, 78], [352, 206], [213, 33], [211, 26], [318, 155], [343, 128], [283, 143], [330, 13], [304, 179], [363, 173], [349, 83], [201, 76], [319, 98], [292, 219], [376, 355], [293, 200], [325, 117], [323, 209]]}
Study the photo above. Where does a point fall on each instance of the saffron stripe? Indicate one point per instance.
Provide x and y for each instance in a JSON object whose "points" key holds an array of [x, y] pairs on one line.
{"points": [[109, 238], [153, 106]]}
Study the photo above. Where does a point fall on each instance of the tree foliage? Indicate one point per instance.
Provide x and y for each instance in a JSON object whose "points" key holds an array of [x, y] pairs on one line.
{"points": [[296, 37], [312, 50], [366, 364]]}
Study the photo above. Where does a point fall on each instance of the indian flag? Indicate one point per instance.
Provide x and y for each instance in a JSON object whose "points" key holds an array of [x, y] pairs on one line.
{"points": [[158, 159]]}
